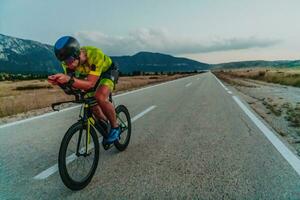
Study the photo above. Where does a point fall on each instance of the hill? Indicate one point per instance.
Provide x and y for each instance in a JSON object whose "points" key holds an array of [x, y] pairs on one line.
{"points": [[258, 63], [31, 57]]}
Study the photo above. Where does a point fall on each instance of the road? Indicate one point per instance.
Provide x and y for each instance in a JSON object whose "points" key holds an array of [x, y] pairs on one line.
{"points": [[194, 143]]}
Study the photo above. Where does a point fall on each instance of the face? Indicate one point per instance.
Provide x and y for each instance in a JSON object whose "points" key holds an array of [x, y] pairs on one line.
{"points": [[72, 63], [82, 57]]}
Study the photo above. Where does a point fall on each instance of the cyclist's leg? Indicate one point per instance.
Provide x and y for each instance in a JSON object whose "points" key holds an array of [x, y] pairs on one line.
{"points": [[98, 112], [102, 97], [96, 109]]}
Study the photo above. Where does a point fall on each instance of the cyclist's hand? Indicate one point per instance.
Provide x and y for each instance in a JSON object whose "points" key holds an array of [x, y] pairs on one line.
{"points": [[52, 80], [63, 79], [56, 76]]}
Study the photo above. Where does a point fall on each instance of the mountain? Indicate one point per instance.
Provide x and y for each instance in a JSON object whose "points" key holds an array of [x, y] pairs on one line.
{"points": [[157, 62], [258, 63], [27, 56]]}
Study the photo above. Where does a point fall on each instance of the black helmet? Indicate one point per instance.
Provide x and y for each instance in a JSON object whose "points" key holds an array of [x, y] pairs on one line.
{"points": [[66, 47]]}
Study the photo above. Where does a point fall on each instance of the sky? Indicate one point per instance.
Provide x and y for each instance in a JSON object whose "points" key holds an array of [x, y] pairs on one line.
{"points": [[212, 31]]}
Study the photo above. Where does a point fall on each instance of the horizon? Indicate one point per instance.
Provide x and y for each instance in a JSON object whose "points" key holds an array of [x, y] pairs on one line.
{"points": [[210, 32], [166, 54]]}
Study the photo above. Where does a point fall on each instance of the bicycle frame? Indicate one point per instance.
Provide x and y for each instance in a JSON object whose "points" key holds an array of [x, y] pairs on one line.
{"points": [[88, 145], [87, 119]]}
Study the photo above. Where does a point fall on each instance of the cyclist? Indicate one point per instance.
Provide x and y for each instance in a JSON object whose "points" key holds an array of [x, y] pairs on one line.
{"points": [[87, 68]]}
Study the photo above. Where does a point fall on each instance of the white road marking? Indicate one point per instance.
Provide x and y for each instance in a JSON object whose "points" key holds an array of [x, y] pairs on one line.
{"points": [[229, 92], [46, 173], [142, 113], [280, 146], [116, 96], [51, 170], [221, 83], [189, 84], [36, 117], [290, 157]]}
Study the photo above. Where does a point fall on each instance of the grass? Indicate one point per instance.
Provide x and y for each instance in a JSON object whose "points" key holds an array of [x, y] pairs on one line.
{"points": [[33, 87], [132, 82], [273, 108], [280, 76], [289, 77], [22, 96], [293, 115], [13, 100], [229, 78]]}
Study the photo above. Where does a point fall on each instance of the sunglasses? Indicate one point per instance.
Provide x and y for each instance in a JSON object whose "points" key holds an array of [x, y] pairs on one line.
{"points": [[69, 60]]}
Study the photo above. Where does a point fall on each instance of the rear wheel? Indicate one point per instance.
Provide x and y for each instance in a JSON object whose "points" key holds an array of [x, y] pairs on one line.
{"points": [[124, 121], [77, 163]]}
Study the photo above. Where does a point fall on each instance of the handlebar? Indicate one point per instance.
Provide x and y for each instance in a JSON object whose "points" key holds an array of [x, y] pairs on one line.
{"points": [[79, 95], [71, 91]]}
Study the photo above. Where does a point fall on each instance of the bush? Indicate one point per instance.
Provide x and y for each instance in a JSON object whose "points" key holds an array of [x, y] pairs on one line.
{"points": [[14, 77], [261, 73], [33, 87]]}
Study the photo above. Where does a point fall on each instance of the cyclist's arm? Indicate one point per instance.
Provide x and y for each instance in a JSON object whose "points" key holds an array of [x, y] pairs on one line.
{"points": [[87, 84], [91, 80], [97, 61], [53, 78]]}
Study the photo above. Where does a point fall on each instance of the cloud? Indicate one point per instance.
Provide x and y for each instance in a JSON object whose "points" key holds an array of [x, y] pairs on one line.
{"points": [[160, 40]]}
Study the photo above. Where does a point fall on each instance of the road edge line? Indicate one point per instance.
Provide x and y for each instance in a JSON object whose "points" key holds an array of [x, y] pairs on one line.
{"points": [[289, 156], [285, 152]]}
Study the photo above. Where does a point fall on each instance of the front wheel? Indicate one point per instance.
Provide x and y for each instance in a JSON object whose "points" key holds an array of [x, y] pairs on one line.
{"points": [[78, 156], [124, 121]]}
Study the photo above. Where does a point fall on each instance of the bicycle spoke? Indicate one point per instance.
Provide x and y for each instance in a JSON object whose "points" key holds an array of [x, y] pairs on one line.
{"points": [[122, 122], [78, 141], [124, 126], [79, 166]]}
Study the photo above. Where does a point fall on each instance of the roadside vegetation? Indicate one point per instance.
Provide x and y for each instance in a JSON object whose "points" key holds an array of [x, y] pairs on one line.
{"points": [[289, 77], [293, 114], [18, 77], [278, 104], [290, 112], [20, 96]]}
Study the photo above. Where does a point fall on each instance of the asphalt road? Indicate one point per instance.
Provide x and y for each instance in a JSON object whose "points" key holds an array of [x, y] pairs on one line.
{"points": [[196, 143]]}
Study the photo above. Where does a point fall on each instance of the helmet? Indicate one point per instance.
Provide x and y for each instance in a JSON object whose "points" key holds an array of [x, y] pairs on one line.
{"points": [[66, 47]]}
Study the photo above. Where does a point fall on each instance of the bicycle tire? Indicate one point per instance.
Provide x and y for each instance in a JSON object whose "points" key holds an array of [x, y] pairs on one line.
{"points": [[118, 144], [62, 160]]}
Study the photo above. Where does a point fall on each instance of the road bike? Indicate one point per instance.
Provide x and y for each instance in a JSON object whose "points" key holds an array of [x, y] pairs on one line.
{"points": [[79, 150]]}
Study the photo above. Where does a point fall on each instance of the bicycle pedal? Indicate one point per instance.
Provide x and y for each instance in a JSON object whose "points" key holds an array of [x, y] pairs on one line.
{"points": [[107, 146]]}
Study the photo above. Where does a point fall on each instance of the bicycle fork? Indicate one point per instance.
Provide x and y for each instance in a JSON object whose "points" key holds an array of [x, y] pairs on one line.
{"points": [[84, 151]]}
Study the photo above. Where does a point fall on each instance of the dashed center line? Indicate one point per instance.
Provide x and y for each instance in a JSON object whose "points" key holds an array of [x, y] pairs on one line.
{"points": [[189, 84]]}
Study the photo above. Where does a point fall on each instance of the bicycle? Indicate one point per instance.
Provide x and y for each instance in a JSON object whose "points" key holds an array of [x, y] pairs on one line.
{"points": [[86, 143]]}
